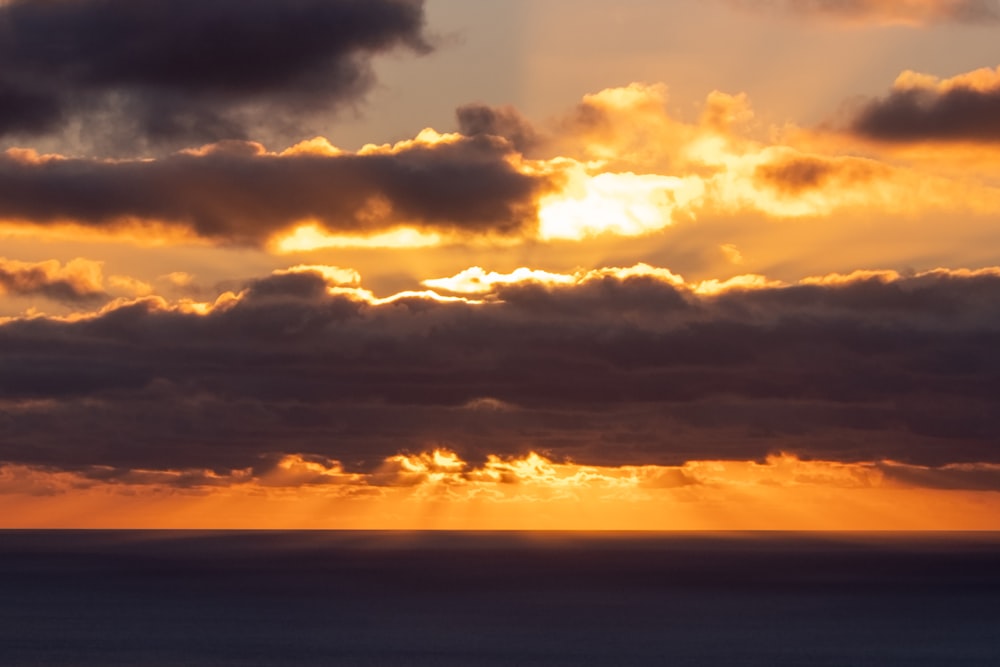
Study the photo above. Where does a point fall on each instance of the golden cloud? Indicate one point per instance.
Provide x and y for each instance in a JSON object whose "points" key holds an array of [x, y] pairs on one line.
{"points": [[531, 491], [78, 280], [619, 164]]}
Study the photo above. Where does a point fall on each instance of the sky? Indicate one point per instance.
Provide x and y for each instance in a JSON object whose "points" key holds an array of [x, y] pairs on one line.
{"points": [[559, 264]]}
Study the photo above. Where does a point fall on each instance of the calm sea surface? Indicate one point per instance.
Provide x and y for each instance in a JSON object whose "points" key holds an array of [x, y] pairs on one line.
{"points": [[194, 599]]}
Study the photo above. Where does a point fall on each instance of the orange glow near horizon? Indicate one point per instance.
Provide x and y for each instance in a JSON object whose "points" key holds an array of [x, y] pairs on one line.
{"points": [[438, 490], [645, 266]]}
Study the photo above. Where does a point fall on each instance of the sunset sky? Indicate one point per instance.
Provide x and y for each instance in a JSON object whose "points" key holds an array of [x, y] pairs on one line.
{"points": [[554, 264]]}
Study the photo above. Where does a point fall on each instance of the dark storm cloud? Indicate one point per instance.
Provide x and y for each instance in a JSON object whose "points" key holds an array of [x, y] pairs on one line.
{"points": [[608, 372], [917, 114], [236, 193], [190, 70], [76, 282], [881, 11]]}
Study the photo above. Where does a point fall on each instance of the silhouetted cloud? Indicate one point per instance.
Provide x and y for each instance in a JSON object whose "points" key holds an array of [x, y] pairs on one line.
{"points": [[611, 370], [925, 108], [177, 71], [235, 192]]}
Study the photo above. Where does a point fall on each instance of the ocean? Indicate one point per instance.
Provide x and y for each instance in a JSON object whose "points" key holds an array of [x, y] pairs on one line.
{"points": [[443, 599]]}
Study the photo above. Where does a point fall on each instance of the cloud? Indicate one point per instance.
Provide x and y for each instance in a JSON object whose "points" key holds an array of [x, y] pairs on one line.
{"points": [[922, 107], [954, 477], [616, 367], [617, 164], [236, 192], [882, 12], [626, 166], [77, 281], [796, 174], [180, 71], [627, 127], [504, 121]]}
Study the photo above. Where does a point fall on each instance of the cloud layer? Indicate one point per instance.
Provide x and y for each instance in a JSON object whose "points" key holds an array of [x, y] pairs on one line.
{"points": [[78, 281], [618, 164], [236, 192], [189, 71], [609, 367]]}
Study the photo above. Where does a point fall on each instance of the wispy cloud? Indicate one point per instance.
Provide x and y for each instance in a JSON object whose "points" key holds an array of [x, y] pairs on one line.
{"points": [[881, 12]]}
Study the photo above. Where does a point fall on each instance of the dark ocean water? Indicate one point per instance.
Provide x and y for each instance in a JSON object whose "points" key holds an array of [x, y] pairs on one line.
{"points": [[198, 599]]}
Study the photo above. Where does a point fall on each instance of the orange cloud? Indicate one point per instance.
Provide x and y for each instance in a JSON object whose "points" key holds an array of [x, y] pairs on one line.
{"points": [[237, 192], [438, 489], [79, 280], [627, 167], [619, 164]]}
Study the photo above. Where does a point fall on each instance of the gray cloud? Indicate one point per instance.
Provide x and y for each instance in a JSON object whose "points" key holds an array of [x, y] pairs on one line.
{"points": [[957, 114], [610, 372], [79, 281], [176, 71], [236, 193], [504, 121]]}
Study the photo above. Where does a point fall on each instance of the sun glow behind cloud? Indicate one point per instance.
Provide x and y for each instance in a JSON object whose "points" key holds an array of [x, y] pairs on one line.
{"points": [[609, 203], [637, 183], [476, 281], [613, 315], [437, 489], [311, 236], [619, 164]]}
